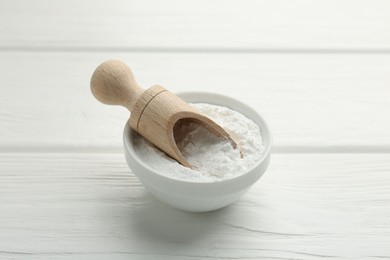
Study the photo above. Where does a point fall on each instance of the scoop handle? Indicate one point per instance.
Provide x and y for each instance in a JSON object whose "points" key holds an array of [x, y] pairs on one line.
{"points": [[113, 83]]}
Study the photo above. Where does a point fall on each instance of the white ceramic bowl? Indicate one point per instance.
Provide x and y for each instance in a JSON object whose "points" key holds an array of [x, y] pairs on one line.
{"points": [[205, 196]]}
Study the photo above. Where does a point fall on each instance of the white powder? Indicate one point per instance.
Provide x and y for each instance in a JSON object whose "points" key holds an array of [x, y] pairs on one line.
{"points": [[213, 158]]}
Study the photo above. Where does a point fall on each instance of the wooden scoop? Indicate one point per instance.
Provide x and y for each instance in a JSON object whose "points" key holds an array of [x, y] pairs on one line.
{"points": [[155, 112]]}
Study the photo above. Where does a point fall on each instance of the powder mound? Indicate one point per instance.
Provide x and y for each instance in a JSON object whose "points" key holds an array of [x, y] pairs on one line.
{"points": [[213, 158]]}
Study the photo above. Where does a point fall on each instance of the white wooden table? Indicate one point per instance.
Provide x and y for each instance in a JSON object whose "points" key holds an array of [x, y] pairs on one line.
{"points": [[318, 71]]}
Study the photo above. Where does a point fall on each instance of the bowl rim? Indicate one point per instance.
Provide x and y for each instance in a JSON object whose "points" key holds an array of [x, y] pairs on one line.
{"points": [[128, 132]]}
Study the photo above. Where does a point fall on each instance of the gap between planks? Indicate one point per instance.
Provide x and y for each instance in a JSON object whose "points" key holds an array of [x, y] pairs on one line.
{"points": [[374, 149], [89, 49]]}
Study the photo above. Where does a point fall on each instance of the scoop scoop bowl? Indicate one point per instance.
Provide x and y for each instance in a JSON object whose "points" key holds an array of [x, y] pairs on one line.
{"points": [[200, 196]]}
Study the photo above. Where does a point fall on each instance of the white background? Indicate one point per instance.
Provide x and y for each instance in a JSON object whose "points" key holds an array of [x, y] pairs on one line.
{"points": [[318, 71]]}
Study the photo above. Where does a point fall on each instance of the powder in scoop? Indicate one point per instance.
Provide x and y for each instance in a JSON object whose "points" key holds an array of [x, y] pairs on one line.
{"points": [[213, 158]]}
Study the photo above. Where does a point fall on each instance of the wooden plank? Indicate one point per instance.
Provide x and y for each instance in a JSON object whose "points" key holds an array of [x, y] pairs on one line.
{"points": [[90, 206], [200, 25], [336, 102]]}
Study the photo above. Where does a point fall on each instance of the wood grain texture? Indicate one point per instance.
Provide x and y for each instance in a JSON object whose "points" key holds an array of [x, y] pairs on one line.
{"points": [[302, 25], [338, 102], [318, 71], [90, 206]]}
